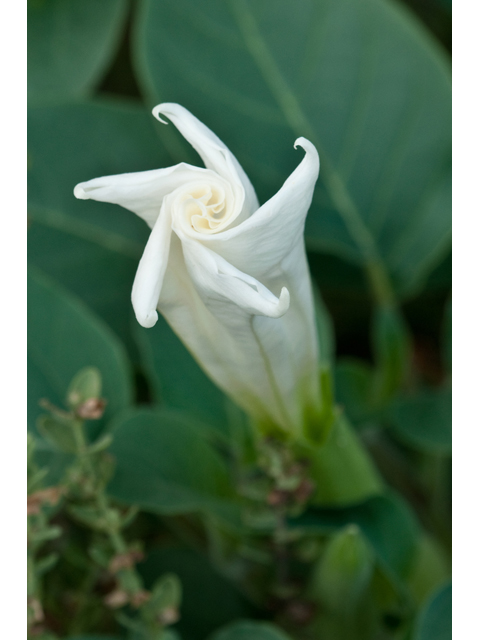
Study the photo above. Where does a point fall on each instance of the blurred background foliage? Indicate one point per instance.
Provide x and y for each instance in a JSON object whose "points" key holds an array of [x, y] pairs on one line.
{"points": [[368, 82]]}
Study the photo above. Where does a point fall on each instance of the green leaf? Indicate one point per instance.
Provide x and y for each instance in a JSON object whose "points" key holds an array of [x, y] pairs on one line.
{"points": [[360, 78], [325, 331], [250, 630], [92, 248], [166, 464], [358, 479], [208, 601], [343, 573], [391, 345], [435, 620], [178, 381], [64, 337], [387, 523], [89, 636], [424, 421], [354, 389], [447, 335], [57, 432], [70, 44], [71, 143], [100, 276]]}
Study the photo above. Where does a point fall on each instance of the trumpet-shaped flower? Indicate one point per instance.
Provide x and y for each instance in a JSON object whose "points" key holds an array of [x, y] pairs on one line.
{"points": [[230, 277]]}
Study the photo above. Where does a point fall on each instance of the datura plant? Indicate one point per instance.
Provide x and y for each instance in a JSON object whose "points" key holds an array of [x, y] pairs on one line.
{"points": [[230, 276]]}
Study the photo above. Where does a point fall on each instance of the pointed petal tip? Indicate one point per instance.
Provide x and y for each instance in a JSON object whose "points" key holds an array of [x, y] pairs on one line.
{"points": [[80, 193], [149, 320]]}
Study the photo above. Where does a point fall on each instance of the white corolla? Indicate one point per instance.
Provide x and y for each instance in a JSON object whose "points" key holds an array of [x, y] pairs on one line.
{"points": [[230, 277]]}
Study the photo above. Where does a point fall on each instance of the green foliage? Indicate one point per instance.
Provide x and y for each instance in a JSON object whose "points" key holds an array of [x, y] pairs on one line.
{"points": [[250, 630], [159, 349], [391, 345], [210, 600], [343, 450], [307, 536], [165, 463], [386, 522], [424, 421], [435, 620], [65, 336], [361, 80], [70, 43], [344, 571]]}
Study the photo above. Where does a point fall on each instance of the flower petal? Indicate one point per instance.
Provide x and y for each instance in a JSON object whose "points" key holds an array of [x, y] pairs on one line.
{"points": [[259, 244], [217, 280], [148, 281], [140, 192], [213, 152]]}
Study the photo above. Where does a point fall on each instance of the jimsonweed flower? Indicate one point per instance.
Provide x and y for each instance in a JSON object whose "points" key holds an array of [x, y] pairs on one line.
{"points": [[230, 277]]}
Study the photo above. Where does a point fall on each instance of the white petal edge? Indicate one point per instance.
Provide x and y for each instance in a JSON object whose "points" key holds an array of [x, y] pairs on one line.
{"points": [[266, 238], [214, 153], [141, 192], [217, 280], [147, 285]]}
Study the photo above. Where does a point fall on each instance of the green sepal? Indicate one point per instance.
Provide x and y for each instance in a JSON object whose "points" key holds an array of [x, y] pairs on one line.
{"points": [[86, 384], [344, 571], [342, 469]]}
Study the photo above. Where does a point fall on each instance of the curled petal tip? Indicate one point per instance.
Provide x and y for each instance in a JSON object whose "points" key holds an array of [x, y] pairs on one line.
{"points": [[304, 143], [157, 111], [80, 193], [283, 302], [148, 321]]}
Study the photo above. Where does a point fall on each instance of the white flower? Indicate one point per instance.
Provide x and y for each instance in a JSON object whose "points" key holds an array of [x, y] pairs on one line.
{"points": [[230, 277]]}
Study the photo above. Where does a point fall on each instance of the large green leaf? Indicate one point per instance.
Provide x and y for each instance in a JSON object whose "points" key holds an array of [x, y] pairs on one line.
{"points": [[250, 630], [208, 601], [360, 78], [387, 523], [63, 337], [424, 421], [92, 248], [435, 620], [72, 143], [70, 43], [166, 464], [100, 276], [178, 381]]}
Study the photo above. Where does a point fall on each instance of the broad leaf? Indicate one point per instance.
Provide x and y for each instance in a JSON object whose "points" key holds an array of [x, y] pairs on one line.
{"points": [[70, 43], [435, 620], [166, 464], [354, 389], [359, 78], [250, 630], [178, 381], [386, 522], [72, 143], [424, 421], [102, 277], [209, 600], [63, 337]]}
